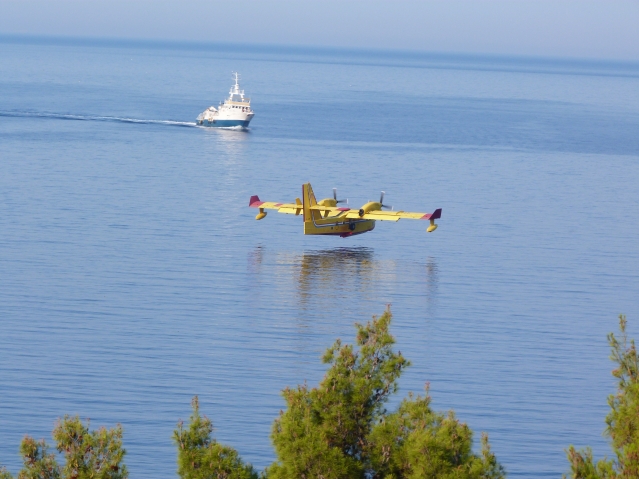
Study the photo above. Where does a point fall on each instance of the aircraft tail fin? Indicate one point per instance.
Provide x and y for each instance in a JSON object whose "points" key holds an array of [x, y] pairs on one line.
{"points": [[308, 200]]}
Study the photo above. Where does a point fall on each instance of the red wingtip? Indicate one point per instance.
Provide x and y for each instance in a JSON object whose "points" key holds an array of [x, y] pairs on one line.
{"points": [[433, 216], [255, 201]]}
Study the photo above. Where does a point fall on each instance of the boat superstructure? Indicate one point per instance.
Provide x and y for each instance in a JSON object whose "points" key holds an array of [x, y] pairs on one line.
{"points": [[235, 111]]}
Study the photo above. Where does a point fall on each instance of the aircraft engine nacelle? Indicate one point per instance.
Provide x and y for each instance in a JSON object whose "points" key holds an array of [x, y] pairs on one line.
{"points": [[330, 202], [368, 207]]}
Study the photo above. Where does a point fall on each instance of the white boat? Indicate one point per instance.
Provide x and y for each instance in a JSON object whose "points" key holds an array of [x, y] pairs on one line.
{"points": [[235, 111]]}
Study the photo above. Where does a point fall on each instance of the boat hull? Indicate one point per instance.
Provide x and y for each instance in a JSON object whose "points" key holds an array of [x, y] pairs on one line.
{"points": [[224, 123]]}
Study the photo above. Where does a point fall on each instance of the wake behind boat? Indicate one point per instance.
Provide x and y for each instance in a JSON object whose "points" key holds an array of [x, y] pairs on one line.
{"points": [[235, 111]]}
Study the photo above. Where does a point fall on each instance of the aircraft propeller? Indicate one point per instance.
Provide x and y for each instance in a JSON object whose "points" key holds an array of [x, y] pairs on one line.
{"points": [[381, 202], [335, 197]]}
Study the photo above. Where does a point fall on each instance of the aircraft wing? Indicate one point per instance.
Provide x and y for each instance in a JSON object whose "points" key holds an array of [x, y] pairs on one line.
{"points": [[287, 208], [329, 208], [393, 215]]}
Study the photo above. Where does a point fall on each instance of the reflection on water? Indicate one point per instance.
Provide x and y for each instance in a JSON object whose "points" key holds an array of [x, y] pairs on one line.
{"points": [[337, 273], [432, 280], [228, 136], [255, 258], [232, 143], [228, 149], [333, 278], [314, 296]]}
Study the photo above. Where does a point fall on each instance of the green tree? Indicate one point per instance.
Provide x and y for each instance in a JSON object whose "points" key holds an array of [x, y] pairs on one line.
{"points": [[622, 422], [88, 454], [39, 463], [341, 428], [4, 474], [202, 457], [417, 442]]}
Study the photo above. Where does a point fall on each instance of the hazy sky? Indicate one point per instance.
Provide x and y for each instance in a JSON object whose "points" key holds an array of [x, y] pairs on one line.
{"points": [[607, 29]]}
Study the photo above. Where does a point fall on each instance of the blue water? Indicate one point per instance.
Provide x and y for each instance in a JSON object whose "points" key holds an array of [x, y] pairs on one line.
{"points": [[133, 275]]}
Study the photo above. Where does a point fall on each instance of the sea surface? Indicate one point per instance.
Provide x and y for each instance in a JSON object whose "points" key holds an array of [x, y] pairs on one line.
{"points": [[133, 275]]}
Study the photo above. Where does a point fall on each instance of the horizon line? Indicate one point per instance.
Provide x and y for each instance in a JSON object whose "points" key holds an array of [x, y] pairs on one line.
{"points": [[62, 40]]}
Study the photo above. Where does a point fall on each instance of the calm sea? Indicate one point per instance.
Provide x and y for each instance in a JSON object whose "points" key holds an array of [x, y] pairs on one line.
{"points": [[133, 275]]}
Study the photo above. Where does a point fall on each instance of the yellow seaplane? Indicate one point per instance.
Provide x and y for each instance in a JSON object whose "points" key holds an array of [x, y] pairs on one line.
{"points": [[327, 218]]}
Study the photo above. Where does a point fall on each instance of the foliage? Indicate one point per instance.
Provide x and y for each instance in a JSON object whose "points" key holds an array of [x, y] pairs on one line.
{"points": [[89, 454], [4, 474], [337, 430], [39, 463], [201, 457], [341, 428], [416, 442], [622, 421]]}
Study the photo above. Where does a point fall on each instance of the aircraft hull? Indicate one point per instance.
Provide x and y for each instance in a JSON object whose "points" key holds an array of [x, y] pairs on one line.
{"points": [[342, 228]]}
